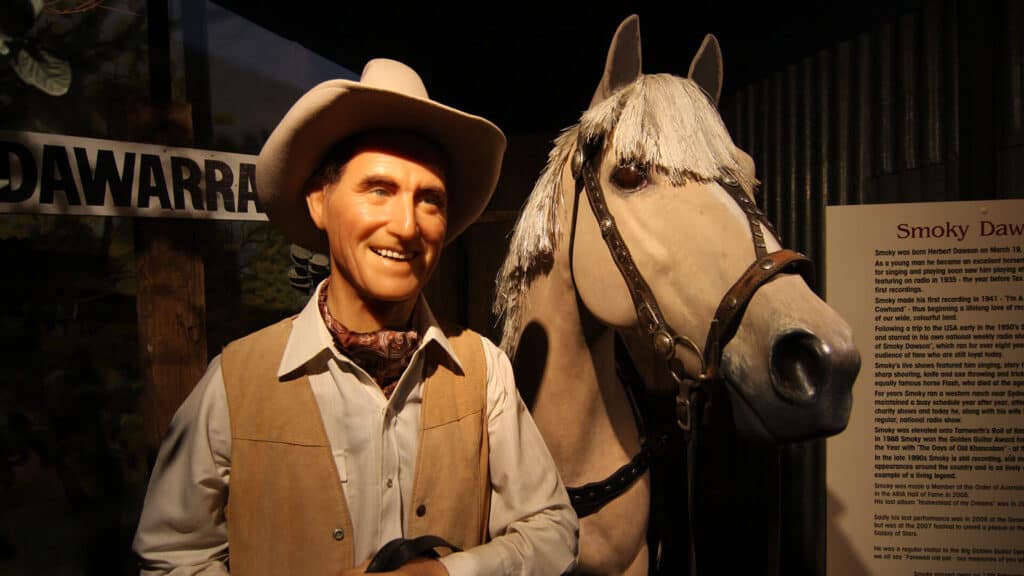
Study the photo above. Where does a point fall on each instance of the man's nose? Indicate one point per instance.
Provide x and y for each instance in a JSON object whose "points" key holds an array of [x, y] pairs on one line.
{"points": [[403, 216]]}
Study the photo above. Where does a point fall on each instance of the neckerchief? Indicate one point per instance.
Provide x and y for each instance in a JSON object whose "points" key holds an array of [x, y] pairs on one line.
{"points": [[384, 354]]}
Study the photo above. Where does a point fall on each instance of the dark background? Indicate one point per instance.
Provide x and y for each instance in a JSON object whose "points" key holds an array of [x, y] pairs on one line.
{"points": [[533, 68]]}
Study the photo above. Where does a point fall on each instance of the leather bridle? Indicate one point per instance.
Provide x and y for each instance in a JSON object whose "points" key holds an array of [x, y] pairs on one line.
{"points": [[665, 341]]}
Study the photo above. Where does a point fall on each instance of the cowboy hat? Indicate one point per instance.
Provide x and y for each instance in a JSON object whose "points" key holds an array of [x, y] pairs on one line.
{"points": [[389, 96]]}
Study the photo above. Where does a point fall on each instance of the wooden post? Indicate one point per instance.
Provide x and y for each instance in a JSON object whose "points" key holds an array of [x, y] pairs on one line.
{"points": [[170, 276], [171, 306]]}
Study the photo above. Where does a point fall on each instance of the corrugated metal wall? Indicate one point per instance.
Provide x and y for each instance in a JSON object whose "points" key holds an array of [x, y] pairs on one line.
{"points": [[925, 108]]}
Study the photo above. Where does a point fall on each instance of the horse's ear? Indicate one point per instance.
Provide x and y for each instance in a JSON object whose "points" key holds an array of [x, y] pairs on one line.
{"points": [[623, 63], [706, 68]]}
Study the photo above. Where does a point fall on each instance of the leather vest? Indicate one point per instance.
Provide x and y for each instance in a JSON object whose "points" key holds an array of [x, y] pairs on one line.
{"points": [[287, 511]]}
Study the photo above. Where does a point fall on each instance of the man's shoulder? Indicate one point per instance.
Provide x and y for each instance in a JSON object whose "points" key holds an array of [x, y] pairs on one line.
{"points": [[276, 333], [490, 357], [256, 354]]}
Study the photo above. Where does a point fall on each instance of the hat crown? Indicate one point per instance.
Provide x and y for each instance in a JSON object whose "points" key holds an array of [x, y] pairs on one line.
{"points": [[387, 74]]}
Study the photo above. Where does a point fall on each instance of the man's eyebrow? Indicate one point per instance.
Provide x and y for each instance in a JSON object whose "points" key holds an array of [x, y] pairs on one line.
{"points": [[372, 181], [377, 181], [435, 189]]}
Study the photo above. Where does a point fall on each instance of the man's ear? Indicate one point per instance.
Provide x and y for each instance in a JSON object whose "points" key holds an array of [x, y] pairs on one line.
{"points": [[316, 201]]}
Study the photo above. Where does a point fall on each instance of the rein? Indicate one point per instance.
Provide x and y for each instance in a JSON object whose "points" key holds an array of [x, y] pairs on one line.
{"points": [[665, 341]]}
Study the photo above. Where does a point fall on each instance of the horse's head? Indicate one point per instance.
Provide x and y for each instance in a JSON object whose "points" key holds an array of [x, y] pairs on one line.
{"points": [[678, 193]]}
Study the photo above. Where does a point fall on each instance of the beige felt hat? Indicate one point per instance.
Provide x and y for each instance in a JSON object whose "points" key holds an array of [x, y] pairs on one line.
{"points": [[389, 95]]}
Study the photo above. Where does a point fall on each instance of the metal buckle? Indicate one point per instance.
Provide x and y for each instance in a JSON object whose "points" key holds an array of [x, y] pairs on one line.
{"points": [[685, 398], [684, 413], [576, 164]]}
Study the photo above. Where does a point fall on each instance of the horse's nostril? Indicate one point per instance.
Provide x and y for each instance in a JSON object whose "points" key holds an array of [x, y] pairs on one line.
{"points": [[800, 365]]}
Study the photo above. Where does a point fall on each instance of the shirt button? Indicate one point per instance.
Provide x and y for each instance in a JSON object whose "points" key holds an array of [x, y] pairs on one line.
{"points": [[390, 483], [338, 534], [421, 510]]}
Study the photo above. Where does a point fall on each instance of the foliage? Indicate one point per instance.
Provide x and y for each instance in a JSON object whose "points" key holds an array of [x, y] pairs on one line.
{"points": [[245, 281], [36, 63], [101, 45]]}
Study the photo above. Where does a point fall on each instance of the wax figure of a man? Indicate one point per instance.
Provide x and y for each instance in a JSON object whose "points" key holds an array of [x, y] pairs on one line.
{"points": [[310, 444]]}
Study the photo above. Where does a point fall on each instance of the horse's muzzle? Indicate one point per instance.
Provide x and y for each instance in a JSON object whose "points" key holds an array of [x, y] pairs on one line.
{"points": [[810, 391]]}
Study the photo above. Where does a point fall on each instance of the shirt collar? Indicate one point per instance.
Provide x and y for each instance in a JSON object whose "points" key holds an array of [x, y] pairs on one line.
{"points": [[310, 339]]}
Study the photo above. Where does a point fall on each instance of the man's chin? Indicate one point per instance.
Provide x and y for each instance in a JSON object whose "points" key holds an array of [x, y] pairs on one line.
{"points": [[392, 296]]}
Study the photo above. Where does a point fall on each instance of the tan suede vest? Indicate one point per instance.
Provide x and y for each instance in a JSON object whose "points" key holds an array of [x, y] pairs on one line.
{"points": [[287, 512]]}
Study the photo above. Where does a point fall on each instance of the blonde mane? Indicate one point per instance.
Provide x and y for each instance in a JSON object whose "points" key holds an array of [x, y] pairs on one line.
{"points": [[664, 121]]}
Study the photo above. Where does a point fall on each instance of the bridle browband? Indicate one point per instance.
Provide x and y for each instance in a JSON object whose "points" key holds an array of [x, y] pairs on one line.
{"points": [[664, 339]]}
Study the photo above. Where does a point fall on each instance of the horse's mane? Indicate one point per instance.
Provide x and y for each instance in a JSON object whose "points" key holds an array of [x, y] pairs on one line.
{"points": [[664, 121]]}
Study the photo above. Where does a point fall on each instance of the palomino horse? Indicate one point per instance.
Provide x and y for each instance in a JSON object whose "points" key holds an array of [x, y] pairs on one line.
{"points": [[642, 228]]}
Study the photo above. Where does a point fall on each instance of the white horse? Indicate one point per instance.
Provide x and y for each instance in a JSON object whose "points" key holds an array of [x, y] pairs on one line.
{"points": [[638, 229]]}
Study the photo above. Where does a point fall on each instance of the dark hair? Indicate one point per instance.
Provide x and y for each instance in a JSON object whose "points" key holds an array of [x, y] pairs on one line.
{"points": [[332, 166]]}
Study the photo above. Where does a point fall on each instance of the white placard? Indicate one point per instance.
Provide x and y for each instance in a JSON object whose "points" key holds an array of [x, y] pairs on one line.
{"points": [[927, 480], [57, 174]]}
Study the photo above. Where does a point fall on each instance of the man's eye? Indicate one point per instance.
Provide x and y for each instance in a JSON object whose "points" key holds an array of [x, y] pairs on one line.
{"points": [[629, 177], [380, 191], [435, 199]]}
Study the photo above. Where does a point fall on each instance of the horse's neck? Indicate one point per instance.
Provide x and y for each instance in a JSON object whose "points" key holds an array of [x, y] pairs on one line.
{"points": [[581, 408]]}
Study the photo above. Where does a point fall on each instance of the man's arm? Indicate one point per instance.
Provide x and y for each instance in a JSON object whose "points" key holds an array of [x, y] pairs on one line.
{"points": [[183, 529], [533, 526]]}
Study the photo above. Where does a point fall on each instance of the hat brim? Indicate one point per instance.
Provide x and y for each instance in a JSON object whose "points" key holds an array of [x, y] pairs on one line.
{"points": [[339, 109]]}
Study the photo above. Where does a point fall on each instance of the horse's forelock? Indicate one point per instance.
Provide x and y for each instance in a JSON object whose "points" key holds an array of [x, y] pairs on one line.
{"points": [[669, 123]]}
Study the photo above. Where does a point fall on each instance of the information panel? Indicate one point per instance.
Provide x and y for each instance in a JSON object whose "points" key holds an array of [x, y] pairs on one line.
{"points": [[927, 479]]}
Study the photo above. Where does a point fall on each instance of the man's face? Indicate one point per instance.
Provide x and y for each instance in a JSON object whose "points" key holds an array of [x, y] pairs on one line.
{"points": [[385, 218]]}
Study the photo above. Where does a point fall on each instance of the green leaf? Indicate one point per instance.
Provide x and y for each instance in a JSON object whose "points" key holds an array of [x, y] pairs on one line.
{"points": [[45, 71]]}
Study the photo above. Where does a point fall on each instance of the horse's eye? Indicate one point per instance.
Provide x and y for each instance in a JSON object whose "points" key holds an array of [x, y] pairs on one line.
{"points": [[629, 177]]}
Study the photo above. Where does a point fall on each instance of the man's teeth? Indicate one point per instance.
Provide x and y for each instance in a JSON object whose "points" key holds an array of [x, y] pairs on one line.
{"points": [[393, 254]]}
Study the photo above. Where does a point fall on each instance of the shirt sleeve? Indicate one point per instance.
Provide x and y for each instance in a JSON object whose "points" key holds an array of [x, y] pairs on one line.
{"points": [[533, 527], [183, 530]]}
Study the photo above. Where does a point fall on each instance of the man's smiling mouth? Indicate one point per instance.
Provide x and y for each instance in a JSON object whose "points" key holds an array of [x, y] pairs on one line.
{"points": [[394, 255]]}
